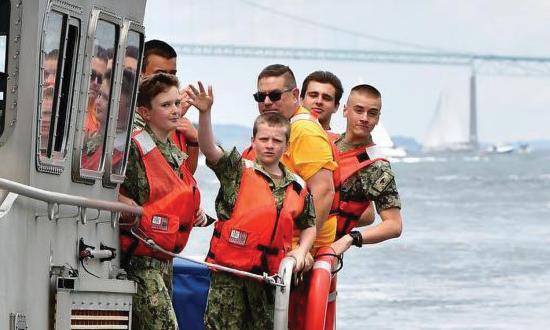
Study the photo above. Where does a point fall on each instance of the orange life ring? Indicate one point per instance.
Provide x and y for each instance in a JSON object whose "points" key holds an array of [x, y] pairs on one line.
{"points": [[318, 295], [330, 323]]}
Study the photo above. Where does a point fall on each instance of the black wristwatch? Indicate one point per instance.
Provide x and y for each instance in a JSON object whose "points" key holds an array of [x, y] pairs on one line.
{"points": [[357, 238]]}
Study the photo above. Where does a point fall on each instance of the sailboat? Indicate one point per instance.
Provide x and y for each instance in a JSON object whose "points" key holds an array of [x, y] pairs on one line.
{"points": [[385, 144], [454, 124]]}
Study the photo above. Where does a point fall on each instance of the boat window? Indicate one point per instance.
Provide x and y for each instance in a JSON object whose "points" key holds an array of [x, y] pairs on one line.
{"points": [[61, 132], [127, 100], [57, 76], [49, 80], [99, 96]]}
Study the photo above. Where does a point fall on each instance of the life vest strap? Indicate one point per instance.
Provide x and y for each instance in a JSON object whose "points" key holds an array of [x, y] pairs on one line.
{"points": [[297, 187], [364, 156], [268, 250], [348, 215], [125, 258]]}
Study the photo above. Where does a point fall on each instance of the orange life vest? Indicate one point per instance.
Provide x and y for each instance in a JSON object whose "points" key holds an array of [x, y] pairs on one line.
{"points": [[257, 237], [249, 153], [349, 163], [169, 212], [92, 162], [179, 141], [91, 124]]}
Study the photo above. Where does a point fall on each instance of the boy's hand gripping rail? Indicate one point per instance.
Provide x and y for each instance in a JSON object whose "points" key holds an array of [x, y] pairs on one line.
{"points": [[282, 294]]}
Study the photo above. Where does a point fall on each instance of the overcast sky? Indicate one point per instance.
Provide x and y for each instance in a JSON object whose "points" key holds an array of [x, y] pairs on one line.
{"points": [[509, 108]]}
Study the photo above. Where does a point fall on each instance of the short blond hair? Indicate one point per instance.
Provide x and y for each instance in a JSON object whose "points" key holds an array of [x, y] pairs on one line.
{"points": [[272, 119]]}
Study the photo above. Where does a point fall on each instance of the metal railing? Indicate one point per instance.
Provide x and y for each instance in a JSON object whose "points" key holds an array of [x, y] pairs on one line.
{"points": [[54, 199], [282, 286], [282, 294]]}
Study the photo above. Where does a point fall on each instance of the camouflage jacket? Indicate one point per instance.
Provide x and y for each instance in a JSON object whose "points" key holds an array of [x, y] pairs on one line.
{"points": [[229, 170], [135, 184], [375, 182], [139, 123]]}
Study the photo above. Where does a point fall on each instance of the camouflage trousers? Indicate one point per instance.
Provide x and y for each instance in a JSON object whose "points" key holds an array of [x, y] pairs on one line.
{"points": [[152, 304], [236, 303]]}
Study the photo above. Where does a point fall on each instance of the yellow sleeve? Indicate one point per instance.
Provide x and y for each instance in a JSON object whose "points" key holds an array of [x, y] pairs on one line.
{"points": [[309, 150]]}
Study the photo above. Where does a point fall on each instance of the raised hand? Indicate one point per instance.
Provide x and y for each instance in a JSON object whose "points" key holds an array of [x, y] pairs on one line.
{"points": [[184, 105], [189, 131], [200, 99]]}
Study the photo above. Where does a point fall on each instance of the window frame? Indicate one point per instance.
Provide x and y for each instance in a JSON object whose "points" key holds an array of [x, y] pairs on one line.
{"points": [[110, 179], [13, 46], [71, 17], [79, 174]]}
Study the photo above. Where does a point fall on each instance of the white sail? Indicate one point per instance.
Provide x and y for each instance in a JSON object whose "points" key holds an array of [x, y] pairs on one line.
{"points": [[385, 144], [448, 129], [381, 137]]}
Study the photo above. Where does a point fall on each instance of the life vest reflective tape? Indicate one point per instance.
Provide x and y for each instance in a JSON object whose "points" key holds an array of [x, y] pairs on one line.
{"points": [[169, 213], [257, 236]]}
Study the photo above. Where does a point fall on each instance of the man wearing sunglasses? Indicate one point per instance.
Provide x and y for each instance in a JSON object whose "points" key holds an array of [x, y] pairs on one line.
{"points": [[309, 155], [98, 67]]}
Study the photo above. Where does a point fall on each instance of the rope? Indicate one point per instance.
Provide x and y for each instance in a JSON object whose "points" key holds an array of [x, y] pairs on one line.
{"points": [[340, 260], [274, 279]]}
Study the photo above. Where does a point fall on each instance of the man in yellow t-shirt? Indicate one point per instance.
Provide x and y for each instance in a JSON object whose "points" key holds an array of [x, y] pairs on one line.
{"points": [[309, 154]]}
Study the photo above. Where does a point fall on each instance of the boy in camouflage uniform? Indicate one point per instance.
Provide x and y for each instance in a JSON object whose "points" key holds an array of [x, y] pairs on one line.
{"points": [[152, 305], [375, 182], [237, 302]]}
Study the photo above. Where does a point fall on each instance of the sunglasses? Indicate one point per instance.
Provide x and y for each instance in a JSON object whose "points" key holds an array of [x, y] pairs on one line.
{"points": [[274, 95], [96, 76]]}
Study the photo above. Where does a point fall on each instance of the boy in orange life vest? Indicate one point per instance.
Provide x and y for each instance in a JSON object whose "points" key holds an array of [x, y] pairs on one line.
{"points": [[364, 175], [157, 179], [258, 205]]}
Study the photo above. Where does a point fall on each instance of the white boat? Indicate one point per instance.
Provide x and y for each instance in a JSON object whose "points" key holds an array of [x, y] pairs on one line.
{"points": [[501, 149], [385, 144]]}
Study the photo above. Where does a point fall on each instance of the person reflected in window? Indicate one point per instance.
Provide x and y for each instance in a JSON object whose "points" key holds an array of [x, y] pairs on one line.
{"points": [[48, 87], [98, 67], [93, 140], [123, 120]]}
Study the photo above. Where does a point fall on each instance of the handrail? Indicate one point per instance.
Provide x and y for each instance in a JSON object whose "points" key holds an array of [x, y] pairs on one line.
{"points": [[53, 198], [282, 294]]}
